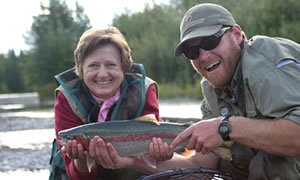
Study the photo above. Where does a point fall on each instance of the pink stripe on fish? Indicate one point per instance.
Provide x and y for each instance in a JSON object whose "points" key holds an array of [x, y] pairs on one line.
{"points": [[138, 137]]}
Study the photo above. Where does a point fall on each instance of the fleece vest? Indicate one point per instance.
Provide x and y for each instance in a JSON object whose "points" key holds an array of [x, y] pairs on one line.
{"points": [[129, 106]]}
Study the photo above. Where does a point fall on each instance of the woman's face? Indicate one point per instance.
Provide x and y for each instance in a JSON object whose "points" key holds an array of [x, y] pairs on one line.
{"points": [[102, 71]]}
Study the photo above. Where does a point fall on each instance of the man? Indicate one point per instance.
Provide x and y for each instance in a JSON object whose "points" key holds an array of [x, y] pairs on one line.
{"points": [[251, 94]]}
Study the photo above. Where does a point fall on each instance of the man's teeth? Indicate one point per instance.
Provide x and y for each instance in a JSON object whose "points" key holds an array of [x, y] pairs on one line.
{"points": [[212, 65]]}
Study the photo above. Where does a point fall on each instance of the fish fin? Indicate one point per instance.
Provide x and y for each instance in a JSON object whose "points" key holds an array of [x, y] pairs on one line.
{"points": [[149, 161], [90, 163], [187, 152], [227, 144], [148, 118], [223, 153]]}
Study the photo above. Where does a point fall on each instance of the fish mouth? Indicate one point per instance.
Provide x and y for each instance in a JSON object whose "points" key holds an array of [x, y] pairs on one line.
{"points": [[63, 139], [63, 142]]}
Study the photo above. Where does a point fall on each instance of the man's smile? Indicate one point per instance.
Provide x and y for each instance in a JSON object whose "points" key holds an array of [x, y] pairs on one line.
{"points": [[212, 66]]}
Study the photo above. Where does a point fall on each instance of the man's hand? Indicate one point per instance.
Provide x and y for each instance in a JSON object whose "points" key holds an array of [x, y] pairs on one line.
{"points": [[204, 136]]}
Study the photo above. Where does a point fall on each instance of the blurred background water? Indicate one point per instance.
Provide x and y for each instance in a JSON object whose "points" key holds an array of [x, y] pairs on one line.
{"points": [[26, 137]]}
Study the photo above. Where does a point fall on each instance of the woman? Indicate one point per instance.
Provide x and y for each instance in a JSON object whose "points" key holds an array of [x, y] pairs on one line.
{"points": [[105, 85]]}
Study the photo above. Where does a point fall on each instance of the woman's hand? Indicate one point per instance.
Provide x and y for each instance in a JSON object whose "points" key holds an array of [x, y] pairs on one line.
{"points": [[74, 150], [107, 156], [159, 150]]}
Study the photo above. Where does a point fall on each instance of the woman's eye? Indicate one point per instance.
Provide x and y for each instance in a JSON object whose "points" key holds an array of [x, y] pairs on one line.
{"points": [[92, 66], [111, 65]]}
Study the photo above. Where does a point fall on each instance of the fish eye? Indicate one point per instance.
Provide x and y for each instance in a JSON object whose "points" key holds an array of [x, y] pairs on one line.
{"points": [[69, 138]]}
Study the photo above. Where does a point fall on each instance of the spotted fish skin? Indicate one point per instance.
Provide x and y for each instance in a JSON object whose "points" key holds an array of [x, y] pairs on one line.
{"points": [[131, 137]]}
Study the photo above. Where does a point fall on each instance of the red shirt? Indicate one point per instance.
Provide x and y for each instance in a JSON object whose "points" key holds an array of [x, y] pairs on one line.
{"points": [[65, 118]]}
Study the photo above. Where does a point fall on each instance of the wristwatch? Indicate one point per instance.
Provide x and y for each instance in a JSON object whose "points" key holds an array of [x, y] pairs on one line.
{"points": [[225, 128]]}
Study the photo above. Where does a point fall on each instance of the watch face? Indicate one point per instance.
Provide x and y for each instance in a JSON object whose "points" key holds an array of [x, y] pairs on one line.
{"points": [[223, 129]]}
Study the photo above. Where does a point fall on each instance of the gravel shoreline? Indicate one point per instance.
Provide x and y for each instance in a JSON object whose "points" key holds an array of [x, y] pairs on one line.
{"points": [[25, 143]]}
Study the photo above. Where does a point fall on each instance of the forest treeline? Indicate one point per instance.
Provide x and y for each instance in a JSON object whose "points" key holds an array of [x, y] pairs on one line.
{"points": [[152, 35]]}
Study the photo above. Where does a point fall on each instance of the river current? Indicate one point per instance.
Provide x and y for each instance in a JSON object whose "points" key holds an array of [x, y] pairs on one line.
{"points": [[26, 137]]}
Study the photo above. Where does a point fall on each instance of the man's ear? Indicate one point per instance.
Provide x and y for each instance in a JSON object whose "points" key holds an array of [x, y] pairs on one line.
{"points": [[238, 33]]}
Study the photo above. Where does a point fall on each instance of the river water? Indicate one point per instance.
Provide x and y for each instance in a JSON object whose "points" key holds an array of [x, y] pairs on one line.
{"points": [[26, 137]]}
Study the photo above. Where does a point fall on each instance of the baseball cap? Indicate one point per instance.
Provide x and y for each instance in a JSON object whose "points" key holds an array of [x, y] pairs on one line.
{"points": [[202, 20]]}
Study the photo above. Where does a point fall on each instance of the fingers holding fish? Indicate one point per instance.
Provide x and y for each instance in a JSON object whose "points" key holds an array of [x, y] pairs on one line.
{"points": [[114, 156], [74, 150], [105, 154], [99, 152], [168, 153], [159, 150], [199, 146], [205, 136], [154, 151], [117, 160], [71, 149], [92, 152], [192, 143], [202, 146], [182, 136]]}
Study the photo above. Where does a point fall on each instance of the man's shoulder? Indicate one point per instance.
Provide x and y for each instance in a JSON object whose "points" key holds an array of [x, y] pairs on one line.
{"points": [[275, 48], [262, 53]]}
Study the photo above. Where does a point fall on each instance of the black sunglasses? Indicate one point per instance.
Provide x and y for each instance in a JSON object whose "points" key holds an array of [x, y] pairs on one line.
{"points": [[207, 43]]}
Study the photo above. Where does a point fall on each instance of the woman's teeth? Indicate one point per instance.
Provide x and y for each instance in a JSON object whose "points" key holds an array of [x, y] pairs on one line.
{"points": [[103, 82]]}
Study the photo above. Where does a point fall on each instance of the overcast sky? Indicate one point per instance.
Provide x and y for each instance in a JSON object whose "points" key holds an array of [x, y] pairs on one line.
{"points": [[16, 16]]}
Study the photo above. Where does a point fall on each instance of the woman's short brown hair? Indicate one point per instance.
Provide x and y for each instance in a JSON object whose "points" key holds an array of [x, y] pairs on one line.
{"points": [[94, 38]]}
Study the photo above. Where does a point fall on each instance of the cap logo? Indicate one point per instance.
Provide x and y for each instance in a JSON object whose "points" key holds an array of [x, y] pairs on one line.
{"points": [[188, 19], [192, 23]]}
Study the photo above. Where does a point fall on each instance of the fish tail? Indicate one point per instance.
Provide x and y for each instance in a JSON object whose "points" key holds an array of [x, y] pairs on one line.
{"points": [[227, 144], [223, 153]]}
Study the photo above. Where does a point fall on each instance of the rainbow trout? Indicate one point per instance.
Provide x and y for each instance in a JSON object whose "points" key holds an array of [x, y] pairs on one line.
{"points": [[132, 137]]}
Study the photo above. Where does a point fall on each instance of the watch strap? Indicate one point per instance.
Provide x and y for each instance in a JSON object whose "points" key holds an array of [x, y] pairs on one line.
{"points": [[225, 121]]}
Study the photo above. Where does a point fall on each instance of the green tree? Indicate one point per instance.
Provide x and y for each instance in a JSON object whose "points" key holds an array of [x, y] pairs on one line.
{"points": [[53, 38], [12, 77], [153, 35], [3, 88]]}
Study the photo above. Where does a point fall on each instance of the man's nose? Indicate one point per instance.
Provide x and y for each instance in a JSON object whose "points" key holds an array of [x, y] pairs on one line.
{"points": [[203, 54]]}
